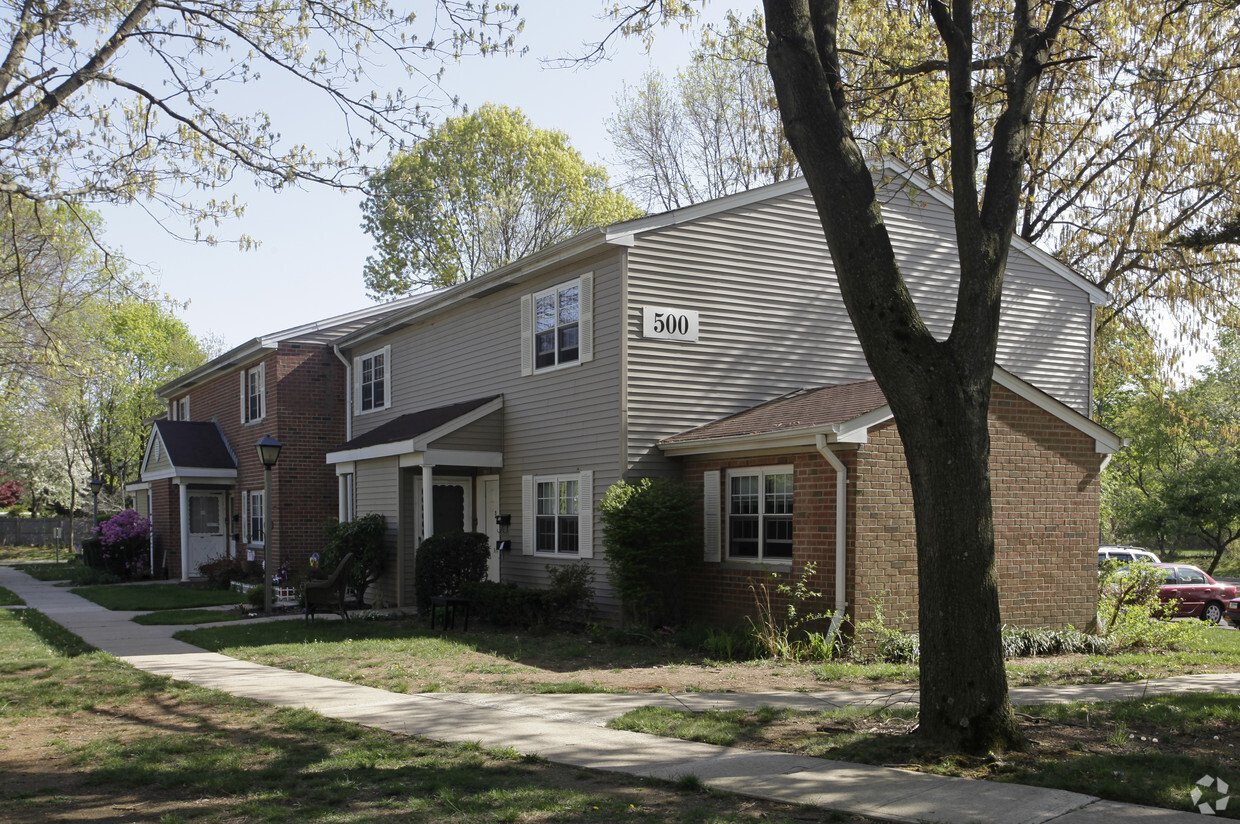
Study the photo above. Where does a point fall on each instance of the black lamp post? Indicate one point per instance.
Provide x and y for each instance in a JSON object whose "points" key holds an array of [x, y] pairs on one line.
{"points": [[268, 453], [95, 485]]}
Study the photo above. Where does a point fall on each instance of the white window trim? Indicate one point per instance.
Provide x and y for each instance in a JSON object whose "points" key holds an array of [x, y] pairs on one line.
{"points": [[585, 513], [585, 325], [175, 410], [247, 500], [261, 369], [761, 472], [386, 352]]}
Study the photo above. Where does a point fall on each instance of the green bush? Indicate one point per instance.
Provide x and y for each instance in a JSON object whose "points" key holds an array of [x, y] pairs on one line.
{"points": [[648, 530], [569, 599], [364, 538], [1129, 609], [446, 562]]}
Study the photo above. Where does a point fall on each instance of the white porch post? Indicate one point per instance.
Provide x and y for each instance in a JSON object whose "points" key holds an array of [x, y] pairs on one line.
{"points": [[428, 501], [342, 510], [184, 487]]}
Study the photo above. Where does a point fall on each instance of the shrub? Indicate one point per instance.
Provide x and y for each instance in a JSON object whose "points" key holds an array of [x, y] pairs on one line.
{"points": [[569, 599], [1129, 609], [221, 572], [446, 562], [648, 530], [787, 637], [364, 538], [121, 545]]}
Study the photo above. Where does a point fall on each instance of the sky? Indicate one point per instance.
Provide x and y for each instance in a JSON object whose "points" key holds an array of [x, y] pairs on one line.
{"points": [[309, 263]]}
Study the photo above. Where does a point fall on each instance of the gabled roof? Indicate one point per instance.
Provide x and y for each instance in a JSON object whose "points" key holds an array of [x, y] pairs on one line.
{"points": [[326, 331], [844, 414], [191, 448], [416, 431], [593, 241]]}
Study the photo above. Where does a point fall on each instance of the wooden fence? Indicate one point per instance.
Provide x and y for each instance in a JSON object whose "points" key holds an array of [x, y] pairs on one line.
{"points": [[41, 531]]}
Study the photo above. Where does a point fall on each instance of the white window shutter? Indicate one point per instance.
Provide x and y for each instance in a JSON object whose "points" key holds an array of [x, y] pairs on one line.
{"points": [[527, 334], [262, 394], [245, 517], [585, 515], [243, 404], [585, 322], [710, 524], [527, 514]]}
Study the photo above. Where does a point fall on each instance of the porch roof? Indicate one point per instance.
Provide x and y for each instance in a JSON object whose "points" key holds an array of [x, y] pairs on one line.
{"points": [[417, 431], [188, 448]]}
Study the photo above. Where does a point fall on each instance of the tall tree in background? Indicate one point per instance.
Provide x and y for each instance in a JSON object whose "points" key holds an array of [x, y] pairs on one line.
{"points": [[482, 190], [711, 131]]}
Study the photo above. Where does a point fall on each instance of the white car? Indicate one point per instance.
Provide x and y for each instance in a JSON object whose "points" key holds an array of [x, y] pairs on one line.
{"points": [[1125, 554]]}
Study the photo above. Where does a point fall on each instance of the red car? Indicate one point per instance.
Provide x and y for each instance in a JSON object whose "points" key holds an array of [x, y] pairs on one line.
{"points": [[1197, 594]]}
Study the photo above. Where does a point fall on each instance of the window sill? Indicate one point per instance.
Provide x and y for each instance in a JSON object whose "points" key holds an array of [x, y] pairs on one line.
{"points": [[755, 563]]}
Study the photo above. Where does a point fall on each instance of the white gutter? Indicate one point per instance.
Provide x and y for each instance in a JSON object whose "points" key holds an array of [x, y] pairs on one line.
{"points": [[841, 531], [348, 393]]}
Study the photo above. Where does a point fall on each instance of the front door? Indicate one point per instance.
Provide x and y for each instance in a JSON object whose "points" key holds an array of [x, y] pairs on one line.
{"points": [[488, 509], [207, 540]]}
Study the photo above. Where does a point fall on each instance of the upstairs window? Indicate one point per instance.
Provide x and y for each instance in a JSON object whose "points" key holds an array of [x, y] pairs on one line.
{"points": [[372, 380], [254, 393], [557, 326], [180, 409]]}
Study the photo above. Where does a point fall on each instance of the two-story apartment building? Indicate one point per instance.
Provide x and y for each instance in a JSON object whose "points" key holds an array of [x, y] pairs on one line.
{"points": [[202, 483], [711, 343]]}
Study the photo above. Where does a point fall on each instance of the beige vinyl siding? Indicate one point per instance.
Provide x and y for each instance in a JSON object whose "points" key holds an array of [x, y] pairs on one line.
{"points": [[554, 422], [161, 463], [485, 434], [772, 319], [375, 489]]}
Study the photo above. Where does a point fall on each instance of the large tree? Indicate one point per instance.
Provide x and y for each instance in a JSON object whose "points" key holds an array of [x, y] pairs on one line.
{"points": [[482, 190]]}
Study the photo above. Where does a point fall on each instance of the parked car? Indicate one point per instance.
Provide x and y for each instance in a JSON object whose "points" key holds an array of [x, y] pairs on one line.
{"points": [[1233, 613], [1196, 594], [1125, 554]]}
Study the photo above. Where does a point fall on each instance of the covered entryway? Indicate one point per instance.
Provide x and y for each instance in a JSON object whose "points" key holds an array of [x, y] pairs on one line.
{"points": [[421, 472]]}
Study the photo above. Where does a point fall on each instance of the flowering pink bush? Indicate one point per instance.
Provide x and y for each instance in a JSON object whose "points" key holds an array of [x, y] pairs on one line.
{"points": [[121, 545]]}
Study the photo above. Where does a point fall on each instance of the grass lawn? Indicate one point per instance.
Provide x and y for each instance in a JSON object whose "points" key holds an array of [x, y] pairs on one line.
{"points": [[1147, 751], [143, 597], [9, 598], [178, 617], [26, 554], [406, 656], [63, 571], [88, 738]]}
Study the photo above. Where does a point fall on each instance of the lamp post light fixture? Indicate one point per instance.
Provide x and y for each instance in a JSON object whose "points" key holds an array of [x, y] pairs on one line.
{"points": [[268, 453], [95, 485]]}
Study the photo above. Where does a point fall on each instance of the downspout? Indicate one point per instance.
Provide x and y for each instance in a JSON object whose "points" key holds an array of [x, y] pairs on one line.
{"points": [[841, 531], [348, 393]]}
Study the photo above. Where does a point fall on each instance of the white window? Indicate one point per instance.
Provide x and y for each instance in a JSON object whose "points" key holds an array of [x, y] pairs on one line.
{"points": [[557, 326], [557, 514], [180, 409], [760, 514], [254, 518], [254, 393], [372, 372]]}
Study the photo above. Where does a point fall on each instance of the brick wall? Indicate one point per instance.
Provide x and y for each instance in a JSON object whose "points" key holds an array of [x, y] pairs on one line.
{"points": [[1045, 490]]}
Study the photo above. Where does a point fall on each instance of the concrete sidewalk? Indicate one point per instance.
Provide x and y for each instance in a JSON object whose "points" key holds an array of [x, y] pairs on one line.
{"points": [[568, 729]]}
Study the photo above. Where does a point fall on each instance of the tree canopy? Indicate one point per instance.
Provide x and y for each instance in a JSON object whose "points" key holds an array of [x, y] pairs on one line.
{"points": [[482, 190], [146, 101]]}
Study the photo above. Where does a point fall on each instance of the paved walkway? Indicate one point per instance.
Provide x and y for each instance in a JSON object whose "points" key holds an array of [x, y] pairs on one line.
{"points": [[568, 729]]}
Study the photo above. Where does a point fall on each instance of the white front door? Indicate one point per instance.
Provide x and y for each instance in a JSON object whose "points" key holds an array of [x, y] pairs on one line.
{"points": [[488, 508], [207, 540]]}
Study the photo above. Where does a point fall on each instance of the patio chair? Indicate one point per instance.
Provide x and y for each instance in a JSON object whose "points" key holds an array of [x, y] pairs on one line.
{"points": [[329, 593]]}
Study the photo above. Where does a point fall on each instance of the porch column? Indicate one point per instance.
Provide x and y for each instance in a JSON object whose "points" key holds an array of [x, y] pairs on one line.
{"points": [[342, 507], [428, 501], [184, 531]]}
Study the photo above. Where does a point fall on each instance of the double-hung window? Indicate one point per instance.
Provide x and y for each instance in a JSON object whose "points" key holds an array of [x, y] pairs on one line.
{"points": [[254, 519], [180, 409], [372, 380], [254, 393], [556, 515], [557, 326], [760, 513]]}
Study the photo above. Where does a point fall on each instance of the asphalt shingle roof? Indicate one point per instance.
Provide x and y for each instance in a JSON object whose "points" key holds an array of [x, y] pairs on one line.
{"points": [[197, 444], [408, 427]]}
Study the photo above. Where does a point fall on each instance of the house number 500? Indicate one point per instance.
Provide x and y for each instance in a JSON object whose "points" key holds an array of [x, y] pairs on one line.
{"points": [[669, 324], [665, 323]]}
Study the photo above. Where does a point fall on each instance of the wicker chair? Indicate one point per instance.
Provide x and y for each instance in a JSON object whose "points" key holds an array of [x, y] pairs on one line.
{"points": [[329, 593]]}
